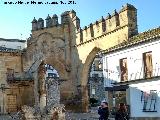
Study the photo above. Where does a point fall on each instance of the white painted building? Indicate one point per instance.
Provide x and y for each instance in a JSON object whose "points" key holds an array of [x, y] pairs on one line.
{"points": [[13, 43], [132, 74]]}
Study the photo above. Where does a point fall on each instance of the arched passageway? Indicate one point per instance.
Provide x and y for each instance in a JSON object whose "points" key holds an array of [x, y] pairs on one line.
{"points": [[84, 79]]}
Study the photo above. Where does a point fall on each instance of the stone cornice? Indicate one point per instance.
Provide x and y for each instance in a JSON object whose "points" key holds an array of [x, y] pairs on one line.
{"points": [[10, 50], [10, 54]]}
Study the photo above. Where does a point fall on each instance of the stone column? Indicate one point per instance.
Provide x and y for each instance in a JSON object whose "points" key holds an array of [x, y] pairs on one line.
{"points": [[42, 85], [85, 98]]}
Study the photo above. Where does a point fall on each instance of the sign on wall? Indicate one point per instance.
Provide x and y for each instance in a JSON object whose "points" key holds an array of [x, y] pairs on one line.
{"points": [[149, 101]]}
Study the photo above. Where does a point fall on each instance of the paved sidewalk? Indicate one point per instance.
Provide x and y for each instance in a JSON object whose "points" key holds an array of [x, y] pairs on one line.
{"points": [[81, 116]]}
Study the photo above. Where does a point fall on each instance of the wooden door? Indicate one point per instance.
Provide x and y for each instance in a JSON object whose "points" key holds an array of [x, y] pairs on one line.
{"points": [[12, 103]]}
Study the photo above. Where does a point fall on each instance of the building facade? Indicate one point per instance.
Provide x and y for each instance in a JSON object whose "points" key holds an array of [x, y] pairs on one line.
{"points": [[13, 43], [132, 75], [14, 84], [95, 80]]}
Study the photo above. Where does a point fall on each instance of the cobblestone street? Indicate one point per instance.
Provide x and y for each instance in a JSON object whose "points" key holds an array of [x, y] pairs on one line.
{"points": [[92, 115], [81, 116], [69, 116]]}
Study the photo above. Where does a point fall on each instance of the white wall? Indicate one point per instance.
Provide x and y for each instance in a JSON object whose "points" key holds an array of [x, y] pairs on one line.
{"points": [[134, 62], [135, 99], [134, 55], [14, 45]]}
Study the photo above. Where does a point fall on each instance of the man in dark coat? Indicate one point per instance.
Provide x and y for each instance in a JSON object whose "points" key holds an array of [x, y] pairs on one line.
{"points": [[103, 111]]}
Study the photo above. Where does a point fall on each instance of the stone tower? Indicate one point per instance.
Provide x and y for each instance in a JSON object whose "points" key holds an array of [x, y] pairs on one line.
{"points": [[128, 15]]}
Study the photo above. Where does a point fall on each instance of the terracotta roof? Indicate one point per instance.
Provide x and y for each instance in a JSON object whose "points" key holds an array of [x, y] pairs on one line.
{"points": [[149, 35]]}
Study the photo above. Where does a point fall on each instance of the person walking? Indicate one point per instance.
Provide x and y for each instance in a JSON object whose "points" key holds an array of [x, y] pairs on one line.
{"points": [[103, 111], [122, 113]]}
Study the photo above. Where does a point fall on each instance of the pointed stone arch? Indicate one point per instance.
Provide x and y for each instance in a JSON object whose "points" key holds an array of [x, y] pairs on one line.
{"points": [[87, 64], [84, 78]]}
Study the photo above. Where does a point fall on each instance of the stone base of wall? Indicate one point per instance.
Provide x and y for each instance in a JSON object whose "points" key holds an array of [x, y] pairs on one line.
{"points": [[145, 118]]}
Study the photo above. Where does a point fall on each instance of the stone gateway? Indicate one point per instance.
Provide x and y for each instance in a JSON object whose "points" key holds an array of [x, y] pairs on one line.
{"points": [[70, 50]]}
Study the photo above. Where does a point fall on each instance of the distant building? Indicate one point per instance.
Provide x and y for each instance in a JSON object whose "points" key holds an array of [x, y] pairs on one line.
{"points": [[51, 72], [132, 75], [95, 79], [13, 43], [14, 84]]}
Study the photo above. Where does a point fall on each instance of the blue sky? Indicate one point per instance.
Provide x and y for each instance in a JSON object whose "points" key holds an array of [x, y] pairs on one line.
{"points": [[16, 19]]}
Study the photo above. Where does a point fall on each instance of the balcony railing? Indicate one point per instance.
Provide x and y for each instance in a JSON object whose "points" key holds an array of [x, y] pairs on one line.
{"points": [[142, 75], [133, 77]]}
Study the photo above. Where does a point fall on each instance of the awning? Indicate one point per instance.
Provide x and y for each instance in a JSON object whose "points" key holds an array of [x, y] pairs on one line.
{"points": [[117, 88]]}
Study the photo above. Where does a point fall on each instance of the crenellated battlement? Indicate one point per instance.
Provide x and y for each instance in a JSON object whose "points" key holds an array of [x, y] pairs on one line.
{"points": [[50, 22], [127, 16], [66, 17]]}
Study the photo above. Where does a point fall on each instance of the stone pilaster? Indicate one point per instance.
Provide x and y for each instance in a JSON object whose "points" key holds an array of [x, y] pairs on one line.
{"points": [[42, 85], [85, 102]]}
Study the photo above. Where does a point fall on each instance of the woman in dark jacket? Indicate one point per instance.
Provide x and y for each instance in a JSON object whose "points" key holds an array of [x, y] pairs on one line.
{"points": [[122, 113], [103, 111]]}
